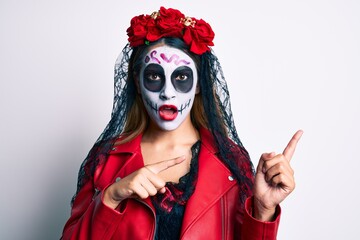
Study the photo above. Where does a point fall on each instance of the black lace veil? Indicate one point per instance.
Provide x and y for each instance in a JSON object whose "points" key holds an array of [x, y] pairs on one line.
{"points": [[216, 102]]}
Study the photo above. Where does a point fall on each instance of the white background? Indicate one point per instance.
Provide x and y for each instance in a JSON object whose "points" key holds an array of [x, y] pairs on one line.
{"points": [[289, 65]]}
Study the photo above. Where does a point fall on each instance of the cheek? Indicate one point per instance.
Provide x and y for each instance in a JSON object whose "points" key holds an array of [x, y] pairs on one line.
{"points": [[148, 95], [185, 98]]}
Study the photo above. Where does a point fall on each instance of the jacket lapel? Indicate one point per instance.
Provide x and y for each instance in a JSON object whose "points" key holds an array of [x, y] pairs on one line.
{"points": [[122, 160], [134, 162], [214, 180]]}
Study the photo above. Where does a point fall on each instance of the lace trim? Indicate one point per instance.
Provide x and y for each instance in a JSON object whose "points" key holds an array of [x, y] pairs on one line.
{"points": [[179, 193]]}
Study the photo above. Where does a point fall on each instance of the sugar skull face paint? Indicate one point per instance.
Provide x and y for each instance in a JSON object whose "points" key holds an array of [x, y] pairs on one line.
{"points": [[168, 81]]}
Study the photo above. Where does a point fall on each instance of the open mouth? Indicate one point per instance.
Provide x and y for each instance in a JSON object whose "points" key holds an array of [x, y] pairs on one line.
{"points": [[168, 112]]}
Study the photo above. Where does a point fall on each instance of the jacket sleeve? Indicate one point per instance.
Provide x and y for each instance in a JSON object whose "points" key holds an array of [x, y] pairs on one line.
{"points": [[253, 229], [90, 217]]}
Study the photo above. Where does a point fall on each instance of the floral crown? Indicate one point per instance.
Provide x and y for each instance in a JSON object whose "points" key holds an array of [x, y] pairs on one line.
{"points": [[196, 33]]}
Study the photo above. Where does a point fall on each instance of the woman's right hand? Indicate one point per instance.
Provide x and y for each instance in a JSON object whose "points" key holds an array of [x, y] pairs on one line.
{"points": [[140, 184]]}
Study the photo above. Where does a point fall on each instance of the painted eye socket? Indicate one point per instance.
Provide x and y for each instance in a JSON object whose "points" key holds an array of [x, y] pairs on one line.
{"points": [[154, 79], [182, 79]]}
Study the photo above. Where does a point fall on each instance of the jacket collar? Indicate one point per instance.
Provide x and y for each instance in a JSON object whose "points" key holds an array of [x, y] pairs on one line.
{"points": [[214, 178], [207, 140], [128, 147]]}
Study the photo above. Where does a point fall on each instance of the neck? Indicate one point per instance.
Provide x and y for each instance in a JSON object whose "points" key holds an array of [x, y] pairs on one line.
{"points": [[186, 133]]}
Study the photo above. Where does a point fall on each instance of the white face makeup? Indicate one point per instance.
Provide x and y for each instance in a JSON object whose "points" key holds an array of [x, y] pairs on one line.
{"points": [[168, 82]]}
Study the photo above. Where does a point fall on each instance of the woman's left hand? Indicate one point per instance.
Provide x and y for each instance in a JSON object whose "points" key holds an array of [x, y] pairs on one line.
{"points": [[274, 180]]}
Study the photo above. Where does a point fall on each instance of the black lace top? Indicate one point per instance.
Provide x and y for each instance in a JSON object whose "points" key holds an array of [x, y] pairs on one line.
{"points": [[170, 206]]}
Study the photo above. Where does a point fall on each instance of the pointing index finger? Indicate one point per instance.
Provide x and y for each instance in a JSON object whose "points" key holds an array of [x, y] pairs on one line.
{"points": [[290, 148], [163, 165]]}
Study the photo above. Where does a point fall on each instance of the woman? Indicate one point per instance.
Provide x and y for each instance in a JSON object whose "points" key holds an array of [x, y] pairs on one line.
{"points": [[170, 165]]}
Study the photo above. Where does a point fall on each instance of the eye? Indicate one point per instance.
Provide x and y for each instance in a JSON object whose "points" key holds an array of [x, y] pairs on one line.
{"points": [[182, 77], [153, 76]]}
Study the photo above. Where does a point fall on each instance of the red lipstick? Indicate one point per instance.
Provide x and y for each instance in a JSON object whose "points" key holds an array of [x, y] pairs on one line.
{"points": [[168, 112]]}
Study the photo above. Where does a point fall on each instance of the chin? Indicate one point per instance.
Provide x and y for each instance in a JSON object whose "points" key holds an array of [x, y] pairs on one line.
{"points": [[168, 126]]}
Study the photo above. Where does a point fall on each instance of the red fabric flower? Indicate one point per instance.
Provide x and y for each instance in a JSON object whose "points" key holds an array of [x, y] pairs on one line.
{"points": [[199, 37], [169, 20], [167, 24], [138, 30], [171, 23], [154, 33]]}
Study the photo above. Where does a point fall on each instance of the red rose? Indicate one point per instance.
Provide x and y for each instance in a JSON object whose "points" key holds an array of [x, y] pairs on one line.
{"points": [[168, 24], [153, 32], [170, 20], [138, 30], [171, 23], [199, 37]]}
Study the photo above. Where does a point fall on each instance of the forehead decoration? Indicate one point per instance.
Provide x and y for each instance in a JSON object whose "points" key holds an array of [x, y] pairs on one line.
{"points": [[196, 33], [174, 57]]}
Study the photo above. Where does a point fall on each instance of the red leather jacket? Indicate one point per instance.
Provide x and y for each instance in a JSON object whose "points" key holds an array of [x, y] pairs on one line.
{"points": [[212, 212]]}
